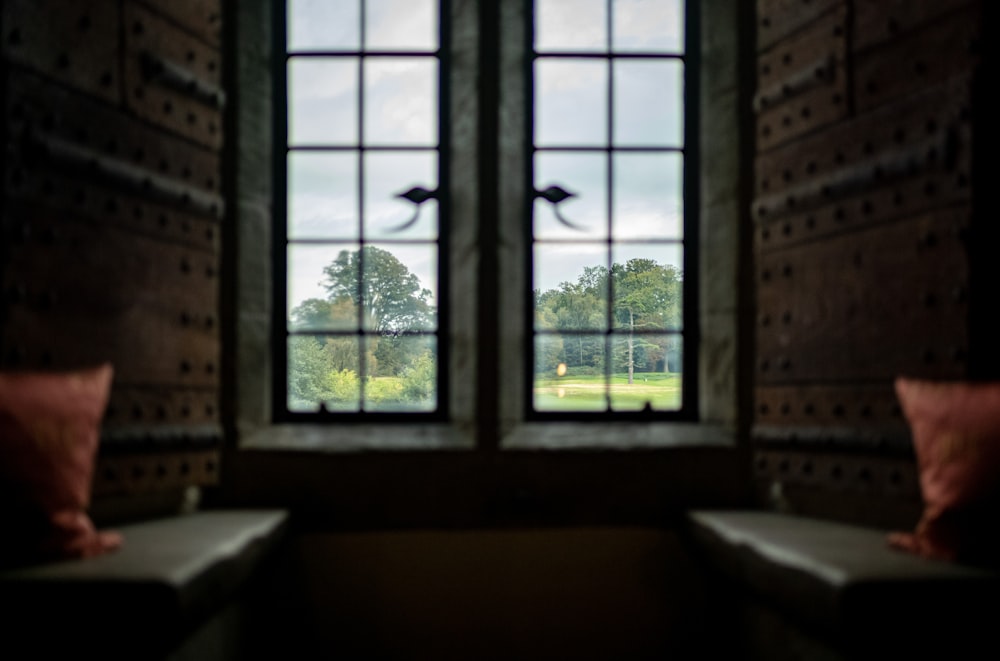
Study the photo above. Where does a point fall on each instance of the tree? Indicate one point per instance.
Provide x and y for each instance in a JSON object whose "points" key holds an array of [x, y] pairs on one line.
{"points": [[389, 296], [646, 295]]}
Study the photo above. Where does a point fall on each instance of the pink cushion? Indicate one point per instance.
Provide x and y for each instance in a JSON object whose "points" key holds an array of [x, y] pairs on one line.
{"points": [[49, 433], [956, 435]]}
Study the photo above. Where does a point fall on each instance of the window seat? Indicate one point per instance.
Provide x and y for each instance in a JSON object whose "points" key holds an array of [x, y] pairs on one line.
{"points": [[809, 588], [158, 596]]}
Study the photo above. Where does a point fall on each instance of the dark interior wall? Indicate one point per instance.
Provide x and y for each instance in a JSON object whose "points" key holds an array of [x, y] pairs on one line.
{"points": [[864, 217], [112, 218], [582, 593]]}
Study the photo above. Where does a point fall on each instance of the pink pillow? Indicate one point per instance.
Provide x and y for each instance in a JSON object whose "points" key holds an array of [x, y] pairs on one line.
{"points": [[956, 435], [49, 431]]}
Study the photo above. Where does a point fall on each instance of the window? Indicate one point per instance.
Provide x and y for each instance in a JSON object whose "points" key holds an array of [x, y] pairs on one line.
{"points": [[479, 171], [364, 138], [609, 100]]}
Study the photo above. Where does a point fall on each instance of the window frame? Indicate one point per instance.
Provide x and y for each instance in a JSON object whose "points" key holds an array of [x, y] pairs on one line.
{"points": [[279, 389], [493, 415]]}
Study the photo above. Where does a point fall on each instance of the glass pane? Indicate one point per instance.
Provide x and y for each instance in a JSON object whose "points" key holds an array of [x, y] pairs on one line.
{"points": [[569, 373], [322, 287], [648, 196], [571, 25], [401, 373], [584, 175], [571, 286], [401, 25], [400, 288], [648, 25], [646, 372], [649, 103], [322, 101], [571, 107], [647, 284], [324, 25], [401, 101], [323, 370], [389, 174], [322, 195]]}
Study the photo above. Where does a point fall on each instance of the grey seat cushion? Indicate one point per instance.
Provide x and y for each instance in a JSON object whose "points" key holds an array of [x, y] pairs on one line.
{"points": [[844, 581], [168, 576]]}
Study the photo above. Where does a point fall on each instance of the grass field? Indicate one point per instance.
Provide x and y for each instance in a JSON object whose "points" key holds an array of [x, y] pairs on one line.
{"points": [[588, 393]]}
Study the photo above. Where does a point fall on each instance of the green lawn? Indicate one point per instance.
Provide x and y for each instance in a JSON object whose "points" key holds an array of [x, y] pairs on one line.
{"points": [[588, 393]]}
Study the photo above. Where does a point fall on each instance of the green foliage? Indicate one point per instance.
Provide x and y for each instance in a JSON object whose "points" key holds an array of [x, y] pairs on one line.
{"points": [[389, 296], [419, 380], [647, 296]]}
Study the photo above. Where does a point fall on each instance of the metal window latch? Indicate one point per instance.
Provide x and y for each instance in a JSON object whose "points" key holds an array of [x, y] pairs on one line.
{"points": [[555, 195], [418, 196]]}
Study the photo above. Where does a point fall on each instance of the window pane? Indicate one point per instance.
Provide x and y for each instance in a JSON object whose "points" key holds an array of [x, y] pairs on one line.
{"points": [[572, 286], [570, 373], [584, 175], [322, 195], [648, 25], [389, 174], [322, 101], [649, 103], [324, 25], [648, 196], [571, 107], [400, 287], [401, 373], [312, 305], [646, 372], [401, 101], [401, 25], [647, 287], [571, 25], [323, 370]]}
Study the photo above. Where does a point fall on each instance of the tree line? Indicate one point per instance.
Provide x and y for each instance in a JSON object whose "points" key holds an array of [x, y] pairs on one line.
{"points": [[646, 297], [397, 353]]}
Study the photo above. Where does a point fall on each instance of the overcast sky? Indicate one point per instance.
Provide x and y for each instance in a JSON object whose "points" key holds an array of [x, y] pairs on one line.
{"points": [[401, 110]]}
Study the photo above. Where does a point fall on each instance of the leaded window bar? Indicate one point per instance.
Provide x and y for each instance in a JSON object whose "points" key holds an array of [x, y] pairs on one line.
{"points": [[611, 306], [363, 179]]}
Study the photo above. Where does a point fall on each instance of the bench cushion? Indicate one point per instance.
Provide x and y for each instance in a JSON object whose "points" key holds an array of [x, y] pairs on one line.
{"points": [[844, 581], [165, 580]]}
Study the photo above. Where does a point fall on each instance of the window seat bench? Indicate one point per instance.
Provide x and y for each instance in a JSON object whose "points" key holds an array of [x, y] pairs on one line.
{"points": [[176, 589], [799, 588]]}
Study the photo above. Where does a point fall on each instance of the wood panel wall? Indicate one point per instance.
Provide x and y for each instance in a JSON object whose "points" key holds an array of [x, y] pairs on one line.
{"points": [[112, 220], [864, 213]]}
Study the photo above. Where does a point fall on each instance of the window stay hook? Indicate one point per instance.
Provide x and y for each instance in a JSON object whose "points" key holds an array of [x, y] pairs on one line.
{"points": [[556, 195], [418, 195]]}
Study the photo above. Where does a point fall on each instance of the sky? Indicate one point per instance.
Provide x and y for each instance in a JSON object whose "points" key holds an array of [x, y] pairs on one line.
{"points": [[400, 110]]}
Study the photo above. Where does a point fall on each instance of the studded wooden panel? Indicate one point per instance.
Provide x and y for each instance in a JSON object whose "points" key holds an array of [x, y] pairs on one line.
{"points": [[777, 19], [113, 216], [864, 219], [934, 52], [802, 81], [883, 21], [72, 43], [172, 78], [865, 489]]}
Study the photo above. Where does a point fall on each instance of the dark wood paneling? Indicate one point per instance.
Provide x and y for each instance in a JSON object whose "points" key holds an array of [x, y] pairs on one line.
{"points": [[881, 21], [84, 293], [172, 79], [938, 51], [112, 220], [927, 135], [777, 19], [203, 18], [867, 305], [803, 82], [74, 43]]}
